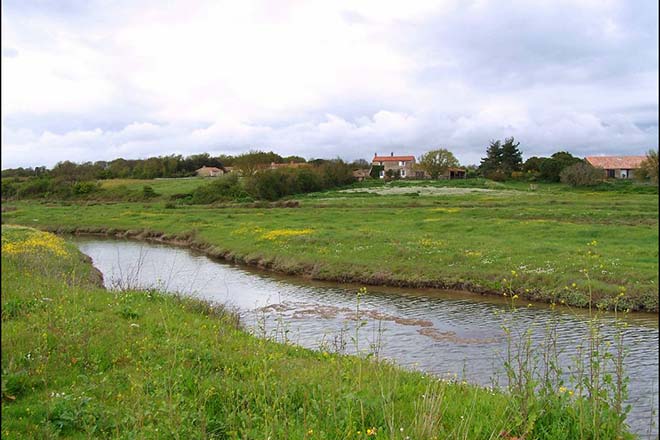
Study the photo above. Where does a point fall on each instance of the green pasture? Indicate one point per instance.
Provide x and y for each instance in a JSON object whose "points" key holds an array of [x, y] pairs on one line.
{"points": [[543, 242]]}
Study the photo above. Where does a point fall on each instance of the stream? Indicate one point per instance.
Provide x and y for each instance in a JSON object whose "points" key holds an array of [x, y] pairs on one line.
{"points": [[449, 334]]}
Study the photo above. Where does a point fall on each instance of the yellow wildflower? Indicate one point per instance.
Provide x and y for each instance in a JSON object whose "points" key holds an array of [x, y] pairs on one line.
{"points": [[277, 234]]}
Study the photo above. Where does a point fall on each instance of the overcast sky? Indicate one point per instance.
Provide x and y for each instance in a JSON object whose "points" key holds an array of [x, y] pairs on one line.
{"points": [[97, 80]]}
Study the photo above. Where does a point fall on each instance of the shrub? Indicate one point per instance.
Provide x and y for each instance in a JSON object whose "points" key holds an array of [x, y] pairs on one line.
{"points": [[336, 173], [223, 188], [82, 188], [496, 175], [34, 188], [148, 192], [273, 184], [9, 189], [582, 174], [649, 167]]}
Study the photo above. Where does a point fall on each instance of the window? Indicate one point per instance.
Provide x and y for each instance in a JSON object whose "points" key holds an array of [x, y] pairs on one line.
{"points": [[403, 173], [402, 163], [382, 173], [611, 174]]}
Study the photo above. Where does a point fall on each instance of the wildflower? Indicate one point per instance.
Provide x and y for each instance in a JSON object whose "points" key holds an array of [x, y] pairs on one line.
{"points": [[371, 431], [562, 390], [276, 234], [310, 432], [514, 297], [573, 285]]}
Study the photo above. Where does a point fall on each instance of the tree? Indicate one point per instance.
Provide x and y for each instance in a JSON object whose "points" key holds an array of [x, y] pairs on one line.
{"points": [[648, 169], [511, 156], [360, 164], [250, 163], [294, 159], [436, 162], [501, 159], [533, 164], [493, 161]]}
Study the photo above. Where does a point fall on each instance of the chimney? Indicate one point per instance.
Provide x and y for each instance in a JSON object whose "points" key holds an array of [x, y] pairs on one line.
{"points": [[392, 154], [375, 154]]}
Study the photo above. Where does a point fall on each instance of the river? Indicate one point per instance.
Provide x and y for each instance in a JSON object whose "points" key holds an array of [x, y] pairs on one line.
{"points": [[449, 334]]}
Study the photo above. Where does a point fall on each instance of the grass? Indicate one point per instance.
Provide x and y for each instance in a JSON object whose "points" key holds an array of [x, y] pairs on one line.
{"points": [[79, 361], [433, 234], [162, 187]]}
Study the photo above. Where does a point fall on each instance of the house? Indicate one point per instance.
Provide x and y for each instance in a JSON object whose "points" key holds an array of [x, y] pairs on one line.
{"points": [[209, 171], [360, 175], [403, 165], [617, 167], [454, 173]]}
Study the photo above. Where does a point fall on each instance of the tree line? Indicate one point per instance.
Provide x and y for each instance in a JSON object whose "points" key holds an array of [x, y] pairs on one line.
{"points": [[149, 168]]}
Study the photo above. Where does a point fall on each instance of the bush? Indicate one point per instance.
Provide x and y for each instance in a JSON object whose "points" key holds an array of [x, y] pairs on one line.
{"points": [[37, 187], [148, 192], [9, 188], [82, 188], [223, 188], [336, 173], [582, 174], [496, 175], [274, 184]]}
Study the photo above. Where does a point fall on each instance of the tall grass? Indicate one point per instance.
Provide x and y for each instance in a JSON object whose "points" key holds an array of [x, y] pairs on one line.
{"points": [[586, 401]]}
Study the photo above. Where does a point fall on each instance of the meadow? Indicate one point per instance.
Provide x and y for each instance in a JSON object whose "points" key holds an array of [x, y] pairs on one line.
{"points": [[79, 361], [546, 242]]}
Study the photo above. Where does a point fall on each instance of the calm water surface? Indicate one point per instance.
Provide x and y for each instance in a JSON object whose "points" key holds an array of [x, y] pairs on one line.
{"points": [[444, 333]]}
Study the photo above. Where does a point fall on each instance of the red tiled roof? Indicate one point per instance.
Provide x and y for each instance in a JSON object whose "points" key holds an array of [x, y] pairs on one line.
{"points": [[616, 162], [391, 158]]}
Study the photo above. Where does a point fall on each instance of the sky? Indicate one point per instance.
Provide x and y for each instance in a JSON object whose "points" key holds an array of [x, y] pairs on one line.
{"points": [[88, 80]]}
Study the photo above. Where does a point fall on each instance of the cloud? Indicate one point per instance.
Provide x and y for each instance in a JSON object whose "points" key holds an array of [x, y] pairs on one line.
{"points": [[91, 80]]}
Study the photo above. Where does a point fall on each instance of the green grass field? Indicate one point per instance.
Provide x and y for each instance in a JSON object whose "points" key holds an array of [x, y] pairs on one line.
{"points": [[162, 187], [82, 362], [549, 243]]}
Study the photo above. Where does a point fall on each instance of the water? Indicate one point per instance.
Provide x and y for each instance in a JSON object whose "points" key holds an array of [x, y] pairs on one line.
{"points": [[454, 334]]}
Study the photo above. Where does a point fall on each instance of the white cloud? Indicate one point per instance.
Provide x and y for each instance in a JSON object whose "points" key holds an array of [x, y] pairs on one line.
{"points": [[320, 79]]}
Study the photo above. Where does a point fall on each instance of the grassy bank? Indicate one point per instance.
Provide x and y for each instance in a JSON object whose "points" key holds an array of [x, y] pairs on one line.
{"points": [[463, 235], [80, 362]]}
